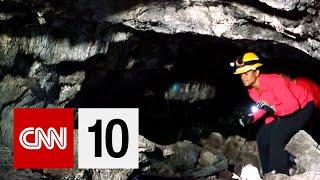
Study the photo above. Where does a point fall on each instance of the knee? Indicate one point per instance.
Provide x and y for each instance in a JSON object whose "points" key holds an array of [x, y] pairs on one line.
{"points": [[280, 139], [279, 134]]}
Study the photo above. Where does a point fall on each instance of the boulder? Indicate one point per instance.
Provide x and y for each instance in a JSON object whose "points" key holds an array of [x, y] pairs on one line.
{"points": [[207, 158], [305, 151]]}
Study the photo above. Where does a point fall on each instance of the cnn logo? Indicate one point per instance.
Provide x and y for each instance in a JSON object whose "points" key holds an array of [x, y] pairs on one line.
{"points": [[43, 138], [47, 139]]}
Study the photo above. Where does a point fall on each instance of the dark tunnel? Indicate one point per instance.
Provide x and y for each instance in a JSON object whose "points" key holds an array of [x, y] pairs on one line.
{"points": [[159, 63]]}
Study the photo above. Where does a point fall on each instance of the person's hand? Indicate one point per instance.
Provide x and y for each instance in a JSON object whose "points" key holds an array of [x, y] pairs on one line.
{"points": [[245, 119], [265, 106]]}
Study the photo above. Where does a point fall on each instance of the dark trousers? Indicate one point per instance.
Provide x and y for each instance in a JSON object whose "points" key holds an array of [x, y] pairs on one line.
{"points": [[314, 126], [272, 139]]}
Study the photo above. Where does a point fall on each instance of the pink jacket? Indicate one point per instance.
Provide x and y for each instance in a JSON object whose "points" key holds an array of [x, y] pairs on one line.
{"points": [[312, 87], [284, 95]]}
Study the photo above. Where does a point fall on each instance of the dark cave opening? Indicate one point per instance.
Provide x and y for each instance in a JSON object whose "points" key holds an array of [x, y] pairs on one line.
{"points": [[158, 62]]}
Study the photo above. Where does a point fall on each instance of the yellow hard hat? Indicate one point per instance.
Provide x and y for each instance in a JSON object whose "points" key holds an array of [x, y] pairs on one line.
{"points": [[249, 61]]}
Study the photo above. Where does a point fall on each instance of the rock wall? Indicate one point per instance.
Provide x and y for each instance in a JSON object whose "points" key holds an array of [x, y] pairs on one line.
{"points": [[49, 48]]}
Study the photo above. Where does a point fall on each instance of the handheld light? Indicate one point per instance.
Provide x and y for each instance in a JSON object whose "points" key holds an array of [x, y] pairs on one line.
{"points": [[254, 108]]}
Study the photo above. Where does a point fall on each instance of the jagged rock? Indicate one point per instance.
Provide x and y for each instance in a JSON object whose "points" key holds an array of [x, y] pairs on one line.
{"points": [[289, 5], [299, 143], [68, 174], [185, 155], [111, 174], [231, 20], [248, 155], [79, 31], [207, 158], [143, 158], [70, 86], [12, 88], [6, 127], [304, 148], [7, 171], [75, 147], [190, 92], [75, 78], [245, 157], [240, 152], [212, 178], [182, 158], [146, 145], [276, 21], [44, 81], [167, 151], [225, 175], [37, 89], [309, 161], [214, 141], [312, 175], [81, 175], [163, 169], [6, 157], [220, 165], [52, 51], [233, 146], [8, 50], [270, 176], [30, 97], [306, 176], [251, 146], [21, 174]]}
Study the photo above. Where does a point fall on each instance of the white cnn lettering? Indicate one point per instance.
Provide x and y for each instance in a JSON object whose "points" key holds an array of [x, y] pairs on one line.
{"points": [[40, 137]]}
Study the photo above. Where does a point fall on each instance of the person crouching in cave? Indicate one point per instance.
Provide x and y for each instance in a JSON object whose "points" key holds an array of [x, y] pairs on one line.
{"points": [[285, 107]]}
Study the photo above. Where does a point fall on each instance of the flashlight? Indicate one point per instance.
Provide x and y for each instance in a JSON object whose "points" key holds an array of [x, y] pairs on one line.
{"points": [[232, 64], [254, 108]]}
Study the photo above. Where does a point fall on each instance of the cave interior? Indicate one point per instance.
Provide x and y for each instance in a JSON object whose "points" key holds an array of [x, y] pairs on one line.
{"points": [[137, 73]]}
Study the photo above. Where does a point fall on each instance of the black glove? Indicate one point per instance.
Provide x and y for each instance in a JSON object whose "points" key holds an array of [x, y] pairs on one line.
{"points": [[245, 119], [265, 106]]}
